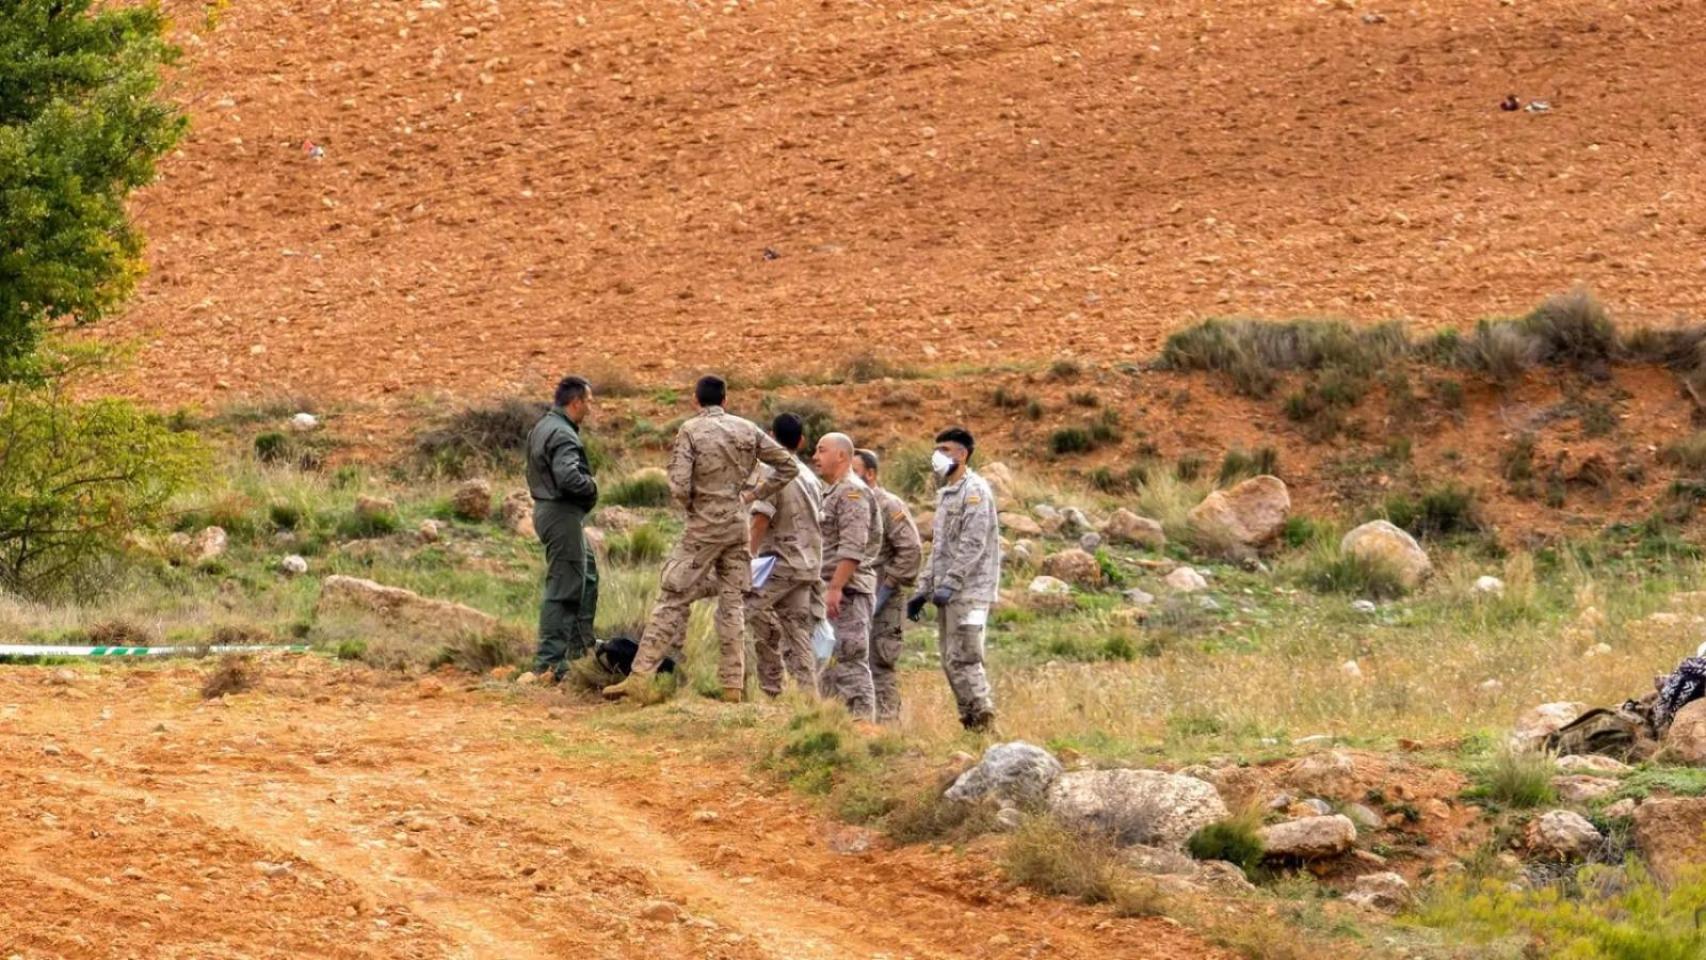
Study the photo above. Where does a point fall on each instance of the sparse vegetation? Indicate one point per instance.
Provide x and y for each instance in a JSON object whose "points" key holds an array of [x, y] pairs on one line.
{"points": [[1520, 779], [1239, 465], [1254, 354], [1048, 857], [647, 488], [479, 437], [1234, 840], [644, 544]]}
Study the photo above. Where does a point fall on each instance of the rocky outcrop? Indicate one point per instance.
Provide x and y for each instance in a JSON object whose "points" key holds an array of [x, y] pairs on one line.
{"points": [[1135, 806], [1379, 543]]}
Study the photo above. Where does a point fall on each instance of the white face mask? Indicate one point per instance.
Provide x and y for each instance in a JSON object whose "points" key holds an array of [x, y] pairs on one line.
{"points": [[941, 463]]}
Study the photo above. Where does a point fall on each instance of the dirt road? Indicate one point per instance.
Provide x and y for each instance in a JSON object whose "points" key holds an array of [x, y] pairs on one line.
{"points": [[390, 200], [334, 814]]}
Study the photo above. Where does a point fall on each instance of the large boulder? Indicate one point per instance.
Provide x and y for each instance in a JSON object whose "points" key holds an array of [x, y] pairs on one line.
{"points": [[1075, 567], [1563, 835], [1380, 543], [1249, 515], [999, 476], [1582, 790], [1135, 806], [209, 544], [472, 501], [1671, 835], [1127, 527], [1533, 727], [1016, 774], [1020, 525], [399, 607], [1185, 580], [1685, 741], [1309, 838]]}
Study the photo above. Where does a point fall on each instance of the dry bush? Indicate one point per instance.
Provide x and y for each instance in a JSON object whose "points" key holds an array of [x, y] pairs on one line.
{"points": [[1046, 856], [120, 633], [236, 673], [1573, 329], [493, 432]]}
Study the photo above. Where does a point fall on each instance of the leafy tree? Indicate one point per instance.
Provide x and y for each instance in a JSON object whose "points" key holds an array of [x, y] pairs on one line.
{"points": [[80, 128]]}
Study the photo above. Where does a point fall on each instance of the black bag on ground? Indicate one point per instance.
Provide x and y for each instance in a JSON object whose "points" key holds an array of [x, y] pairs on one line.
{"points": [[617, 656]]}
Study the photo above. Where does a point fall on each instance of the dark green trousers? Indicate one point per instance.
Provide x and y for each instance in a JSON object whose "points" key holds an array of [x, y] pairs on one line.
{"points": [[571, 586]]}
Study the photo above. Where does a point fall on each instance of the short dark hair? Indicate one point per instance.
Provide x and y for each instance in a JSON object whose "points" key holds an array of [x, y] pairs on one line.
{"points": [[870, 459], [789, 430], [959, 435], [570, 389], [711, 391]]}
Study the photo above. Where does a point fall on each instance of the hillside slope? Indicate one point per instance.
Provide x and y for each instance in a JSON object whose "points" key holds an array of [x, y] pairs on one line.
{"points": [[510, 189]]}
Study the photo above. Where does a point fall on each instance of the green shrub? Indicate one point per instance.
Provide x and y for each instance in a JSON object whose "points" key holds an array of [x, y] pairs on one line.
{"points": [[75, 478], [485, 435], [1689, 453], [272, 447], [285, 516], [1330, 571], [1007, 399], [1517, 464], [1519, 779], [819, 748], [1034, 410], [648, 488], [866, 367], [1105, 429], [1254, 353], [1070, 440], [906, 471], [645, 544], [1442, 511], [1238, 465], [1300, 532], [1084, 398], [1502, 350], [1047, 857], [1189, 466], [1573, 329], [365, 526], [1065, 368], [818, 417], [1234, 840]]}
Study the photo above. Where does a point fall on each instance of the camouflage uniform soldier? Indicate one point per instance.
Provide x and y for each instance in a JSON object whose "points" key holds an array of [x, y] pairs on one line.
{"points": [[852, 541], [780, 613], [963, 577], [564, 492], [897, 574], [714, 454]]}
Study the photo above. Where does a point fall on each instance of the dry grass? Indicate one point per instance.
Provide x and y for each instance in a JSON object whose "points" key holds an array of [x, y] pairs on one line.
{"points": [[235, 673], [1047, 857]]}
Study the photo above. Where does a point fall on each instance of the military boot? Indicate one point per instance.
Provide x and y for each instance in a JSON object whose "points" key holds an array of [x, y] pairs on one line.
{"points": [[642, 690]]}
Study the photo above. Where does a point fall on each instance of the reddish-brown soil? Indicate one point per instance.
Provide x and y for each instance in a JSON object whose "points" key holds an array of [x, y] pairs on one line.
{"points": [[332, 814], [509, 190]]}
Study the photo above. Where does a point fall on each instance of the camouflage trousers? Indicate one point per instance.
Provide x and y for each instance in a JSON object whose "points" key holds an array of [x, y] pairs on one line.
{"points": [[961, 644], [696, 570], [780, 617], [848, 676], [888, 638]]}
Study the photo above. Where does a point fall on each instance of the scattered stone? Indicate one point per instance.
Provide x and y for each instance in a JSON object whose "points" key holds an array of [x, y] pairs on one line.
{"points": [[1533, 727], [1582, 790], [517, 513], [1159, 860], [1075, 567], [209, 544], [1671, 835], [1090, 542], [1136, 806], [52, 749], [1073, 520], [1023, 554], [1249, 515], [1009, 819], [429, 687], [527, 679], [1622, 809], [431, 531], [1185, 580], [1127, 527], [63, 677], [1208, 603], [1597, 650], [1050, 587], [404, 607], [472, 501], [1330, 774], [1380, 892], [1685, 741], [1491, 687], [1316, 807], [659, 911], [1364, 817], [1351, 669], [1020, 525], [294, 565], [272, 870], [1138, 598], [1013, 774], [1563, 835], [706, 816], [1309, 838], [1490, 585], [1365, 607], [1381, 543], [1592, 763], [304, 422]]}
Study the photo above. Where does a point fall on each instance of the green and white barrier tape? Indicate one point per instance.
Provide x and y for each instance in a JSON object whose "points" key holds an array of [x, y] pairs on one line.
{"points": [[48, 650]]}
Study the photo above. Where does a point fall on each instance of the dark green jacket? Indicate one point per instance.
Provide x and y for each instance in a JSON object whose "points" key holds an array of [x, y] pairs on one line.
{"points": [[557, 468]]}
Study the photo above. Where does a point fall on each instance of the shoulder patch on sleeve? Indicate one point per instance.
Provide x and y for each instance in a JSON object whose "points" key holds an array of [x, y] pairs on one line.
{"points": [[974, 499], [852, 494], [897, 515]]}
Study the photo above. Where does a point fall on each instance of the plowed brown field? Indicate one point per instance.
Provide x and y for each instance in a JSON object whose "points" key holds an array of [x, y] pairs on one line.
{"points": [[509, 189], [334, 814]]}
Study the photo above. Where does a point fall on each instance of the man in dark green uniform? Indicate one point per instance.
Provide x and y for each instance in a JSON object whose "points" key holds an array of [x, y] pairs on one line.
{"points": [[564, 492]]}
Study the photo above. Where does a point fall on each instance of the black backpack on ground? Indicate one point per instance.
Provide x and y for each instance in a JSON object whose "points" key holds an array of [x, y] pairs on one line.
{"points": [[617, 656]]}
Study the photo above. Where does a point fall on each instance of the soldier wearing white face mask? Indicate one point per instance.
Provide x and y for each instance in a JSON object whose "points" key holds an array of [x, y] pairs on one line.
{"points": [[963, 577]]}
